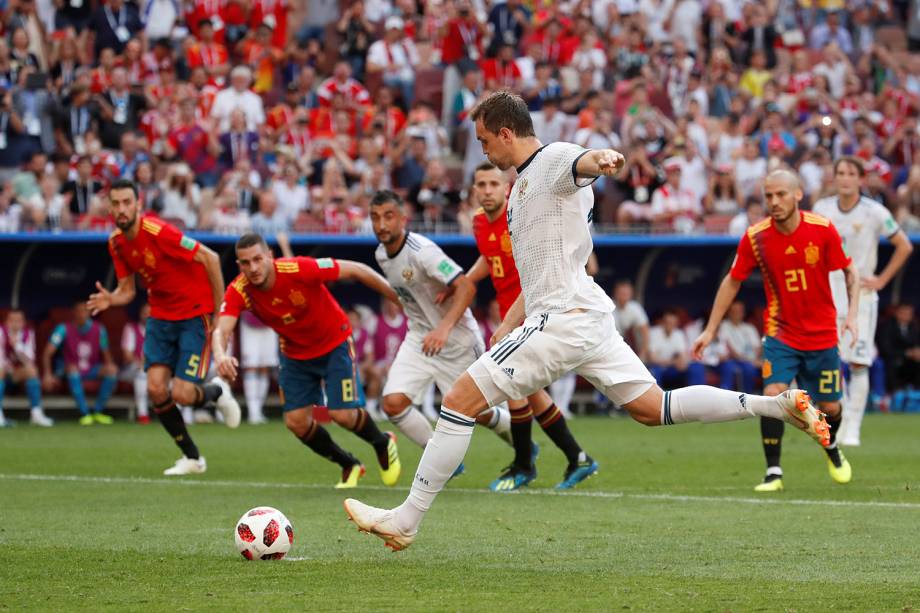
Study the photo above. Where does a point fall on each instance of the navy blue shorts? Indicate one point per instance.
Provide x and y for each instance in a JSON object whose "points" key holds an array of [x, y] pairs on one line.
{"points": [[303, 382], [184, 346], [816, 372]]}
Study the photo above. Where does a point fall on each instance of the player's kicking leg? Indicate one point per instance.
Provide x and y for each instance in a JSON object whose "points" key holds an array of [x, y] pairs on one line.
{"points": [[612, 367]]}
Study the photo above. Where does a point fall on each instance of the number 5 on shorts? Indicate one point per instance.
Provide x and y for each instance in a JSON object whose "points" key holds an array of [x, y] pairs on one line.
{"points": [[830, 382], [194, 362]]}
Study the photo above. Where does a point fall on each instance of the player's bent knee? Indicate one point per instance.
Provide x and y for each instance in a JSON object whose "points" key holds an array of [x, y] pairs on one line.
{"points": [[646, 409], [464, 397], [298, 422], [184, 392], [394, 404], [831, 408], [344, 417]]}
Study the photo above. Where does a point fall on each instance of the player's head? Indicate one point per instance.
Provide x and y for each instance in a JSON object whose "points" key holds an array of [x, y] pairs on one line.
{"points": [[782, 193], [501, 119], [254, 259], [80, 313], [848, 175], [123, 203], [388, 217], [490, 186], [15, 320]]}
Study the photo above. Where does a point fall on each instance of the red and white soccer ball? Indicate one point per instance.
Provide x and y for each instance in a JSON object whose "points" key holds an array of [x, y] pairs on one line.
{"points": [[263, 533]]}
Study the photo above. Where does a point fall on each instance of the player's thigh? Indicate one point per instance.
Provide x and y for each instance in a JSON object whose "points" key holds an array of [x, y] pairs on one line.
{"points": [[194, 357], [342, 382], [820, 375], [450, 364], [532, 356], [161, 343], [614, 369], [411, 372], [781, 363], [301, 383]]}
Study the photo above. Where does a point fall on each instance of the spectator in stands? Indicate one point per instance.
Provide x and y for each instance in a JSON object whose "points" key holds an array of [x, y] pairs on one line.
{"points": [[34, 106], [181, 197], [550, 124], [395, 58], [228, 217], [258, 52], [750, 169], [47, 209], [722, 198], [79, 192], [17, 365], [355, 95], [77, 117], [673, 207], [409, 158], [85, 355], [132, 348], [753, 212], [114, 24], [831, 31], [129, 156], [238, 96], [238, 143], [899, 347], [270, 220], [669, 354], [119, 109], [742, 344], [358, 33], [25, 183], [631, 319], [289, 196], [11, 214], [508, 22]]}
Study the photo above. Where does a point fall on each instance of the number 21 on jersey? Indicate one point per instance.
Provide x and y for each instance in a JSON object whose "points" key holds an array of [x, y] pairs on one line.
{"points": [[795, 280]]}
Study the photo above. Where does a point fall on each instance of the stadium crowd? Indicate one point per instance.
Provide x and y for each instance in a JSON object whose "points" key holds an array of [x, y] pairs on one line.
{"points": [[255, 114]]}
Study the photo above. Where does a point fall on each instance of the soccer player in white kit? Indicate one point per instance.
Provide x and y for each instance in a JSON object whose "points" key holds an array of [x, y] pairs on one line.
{"points": [[861, 222], [443, 338], [562, 321]]}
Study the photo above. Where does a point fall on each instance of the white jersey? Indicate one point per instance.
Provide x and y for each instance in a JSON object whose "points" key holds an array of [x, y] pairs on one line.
{"points": [[860, 228], [548, 219], [418, 272]]}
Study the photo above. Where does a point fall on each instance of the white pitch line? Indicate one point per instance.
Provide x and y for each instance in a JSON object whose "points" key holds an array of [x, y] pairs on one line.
{"points": [[528, 492]]}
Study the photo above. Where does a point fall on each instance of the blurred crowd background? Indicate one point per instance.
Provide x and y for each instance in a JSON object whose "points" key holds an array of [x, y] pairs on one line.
{"points": [[259, 114]]}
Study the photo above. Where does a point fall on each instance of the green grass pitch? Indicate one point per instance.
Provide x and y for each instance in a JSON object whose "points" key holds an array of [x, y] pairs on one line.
{"points": [[671, 523]]}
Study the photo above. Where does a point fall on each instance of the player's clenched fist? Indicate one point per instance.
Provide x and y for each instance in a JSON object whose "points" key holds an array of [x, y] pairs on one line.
{"points": [[227, 367], [609, 162]]}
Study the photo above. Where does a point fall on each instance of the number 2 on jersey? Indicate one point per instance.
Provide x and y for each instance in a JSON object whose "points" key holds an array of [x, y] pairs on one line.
{"points": [[795, 280], [498, 270]]}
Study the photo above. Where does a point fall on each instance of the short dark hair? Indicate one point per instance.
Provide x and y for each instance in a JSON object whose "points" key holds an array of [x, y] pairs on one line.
{"points": [[504, 109], [250, 239], [124, 184], [484, 167], [854, 161], [385, 196]]}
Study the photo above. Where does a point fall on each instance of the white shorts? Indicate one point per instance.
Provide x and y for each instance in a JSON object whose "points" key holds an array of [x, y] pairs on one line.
{"points": [[412, 372], [863, 352], [258, 347], [546, 347]]}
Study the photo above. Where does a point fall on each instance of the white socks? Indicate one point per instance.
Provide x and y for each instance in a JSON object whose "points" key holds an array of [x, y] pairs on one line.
{"points": [[499, 421], [255, 389], [140, 393], [562, 390], [414, 425], [854, 406], [428, 409], [442, 456], [711, 404]]}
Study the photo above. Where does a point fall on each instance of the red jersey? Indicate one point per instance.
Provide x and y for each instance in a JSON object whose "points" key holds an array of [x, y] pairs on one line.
{"points": [[494, 244], [162, 256], [800, 310], [299, 307]]}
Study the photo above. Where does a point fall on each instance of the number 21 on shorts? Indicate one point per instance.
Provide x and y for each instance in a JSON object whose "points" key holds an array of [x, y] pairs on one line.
{"points": [[829, 382]]}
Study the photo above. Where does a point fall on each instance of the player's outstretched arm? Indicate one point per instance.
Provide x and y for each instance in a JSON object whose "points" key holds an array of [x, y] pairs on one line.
{"points": [[464, 291], [512, 320], [728, 289], [600, 163], [902, 251], [211, 263], [103, 299], [362, 273], [226, 364], [851, 276]]}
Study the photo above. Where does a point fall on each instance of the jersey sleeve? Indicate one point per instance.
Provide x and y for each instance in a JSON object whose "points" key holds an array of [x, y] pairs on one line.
{"points": [[744, 260], [233, 303], [176, 244], [121, 268], [320, 270], [836, 256], [886, 224], [58, 336], [561, 164], [438, 265]]}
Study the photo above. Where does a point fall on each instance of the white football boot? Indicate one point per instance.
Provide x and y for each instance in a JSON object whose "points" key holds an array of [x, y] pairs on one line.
{"points": [[187, 466], [227, 405], [379, 522]]}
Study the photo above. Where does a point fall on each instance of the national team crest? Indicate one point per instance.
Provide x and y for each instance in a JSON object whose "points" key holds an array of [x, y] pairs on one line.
{"points": [[522, 188], [297, 298], [407, 274], [150, 260], [506, 243], [812, 254]]}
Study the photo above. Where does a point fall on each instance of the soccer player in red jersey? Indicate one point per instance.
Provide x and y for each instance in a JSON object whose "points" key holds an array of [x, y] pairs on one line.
{"points": [[184, 285], [795, 251], [318, 359], [490, 228]]}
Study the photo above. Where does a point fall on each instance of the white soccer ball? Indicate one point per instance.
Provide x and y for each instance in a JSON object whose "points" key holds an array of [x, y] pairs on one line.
{"points": [[263, 533]]}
